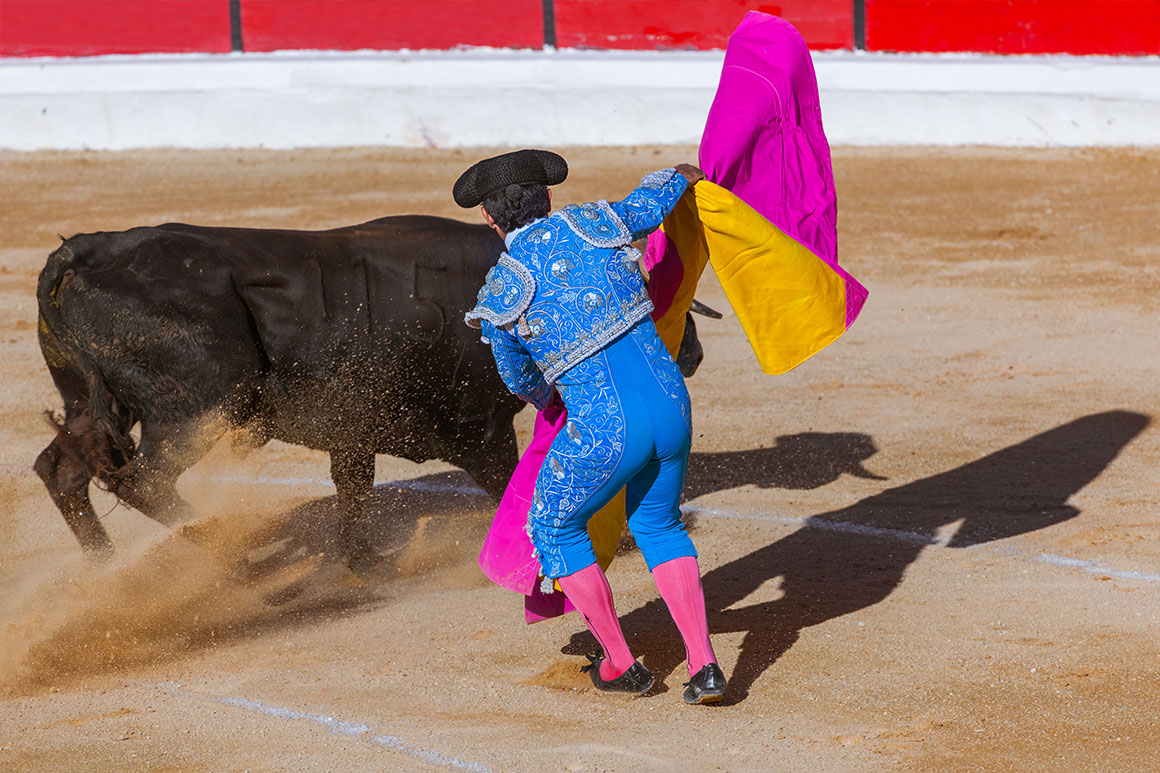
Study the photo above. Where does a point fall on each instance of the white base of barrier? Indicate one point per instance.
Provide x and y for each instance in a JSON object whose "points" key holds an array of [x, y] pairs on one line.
{"points": [[551, 98]]}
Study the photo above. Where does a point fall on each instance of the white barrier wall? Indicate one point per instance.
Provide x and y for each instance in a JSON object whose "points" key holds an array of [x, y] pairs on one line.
{"points": [[546, 98]]}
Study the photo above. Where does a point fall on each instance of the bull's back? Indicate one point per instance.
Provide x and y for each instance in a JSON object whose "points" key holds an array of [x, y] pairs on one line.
{"points": [[321, 298], [362, 330]]}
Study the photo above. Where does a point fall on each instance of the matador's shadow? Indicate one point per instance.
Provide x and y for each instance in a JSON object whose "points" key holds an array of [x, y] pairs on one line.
{"points": [[803, 461], [826, 572]]}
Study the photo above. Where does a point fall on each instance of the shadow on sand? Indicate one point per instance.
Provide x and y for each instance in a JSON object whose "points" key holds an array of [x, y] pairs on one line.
{"points": [[804, 461], [396, 514], [420, 525], [827, 573]]}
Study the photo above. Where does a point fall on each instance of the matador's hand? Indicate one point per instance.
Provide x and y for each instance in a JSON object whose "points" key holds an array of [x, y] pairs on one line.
{"points": [[689, 172]]}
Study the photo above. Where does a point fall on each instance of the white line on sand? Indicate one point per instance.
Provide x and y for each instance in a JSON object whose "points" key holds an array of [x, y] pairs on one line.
{"points": [[865, 530], [355, 729]]}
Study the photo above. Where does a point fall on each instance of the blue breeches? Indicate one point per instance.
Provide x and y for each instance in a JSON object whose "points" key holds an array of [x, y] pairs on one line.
{"points": [[628, 426]]}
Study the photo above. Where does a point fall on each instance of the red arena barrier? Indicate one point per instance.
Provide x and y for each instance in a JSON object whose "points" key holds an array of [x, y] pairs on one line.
{"points": [[693, 24], [92, 27], [1015, 26], [269, 25]]}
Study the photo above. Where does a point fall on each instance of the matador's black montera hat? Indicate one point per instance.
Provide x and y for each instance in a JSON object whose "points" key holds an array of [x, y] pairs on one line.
{"points": [[517, 168]]}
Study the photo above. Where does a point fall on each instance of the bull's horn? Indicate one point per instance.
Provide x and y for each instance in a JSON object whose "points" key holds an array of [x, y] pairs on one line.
{"points": [[699, 308]]}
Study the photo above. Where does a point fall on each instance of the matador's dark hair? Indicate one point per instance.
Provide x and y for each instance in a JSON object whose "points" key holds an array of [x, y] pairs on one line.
{"points": [[517, 205]]}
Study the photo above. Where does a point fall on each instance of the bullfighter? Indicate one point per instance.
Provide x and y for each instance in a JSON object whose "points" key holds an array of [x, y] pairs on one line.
{"points": [[566, 313]]}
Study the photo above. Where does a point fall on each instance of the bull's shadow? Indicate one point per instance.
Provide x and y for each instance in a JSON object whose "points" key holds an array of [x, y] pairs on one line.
{"points": [[402, 521], [829, 568]]}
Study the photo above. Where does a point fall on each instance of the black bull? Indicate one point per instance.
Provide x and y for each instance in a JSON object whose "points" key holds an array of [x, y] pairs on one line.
{"points": [[350, 341]]}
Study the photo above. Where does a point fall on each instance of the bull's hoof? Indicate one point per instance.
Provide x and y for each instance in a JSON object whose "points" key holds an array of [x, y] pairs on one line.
{"points": [[363, 560]]}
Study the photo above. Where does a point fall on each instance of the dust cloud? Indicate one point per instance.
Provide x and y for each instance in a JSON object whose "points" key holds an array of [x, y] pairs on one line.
{"points": [[182, 593], [249, 565]]}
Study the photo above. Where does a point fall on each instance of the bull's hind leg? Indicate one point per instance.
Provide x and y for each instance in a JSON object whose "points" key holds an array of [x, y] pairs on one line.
{"points": [[149, 483], [353, 472], [67, 479]]}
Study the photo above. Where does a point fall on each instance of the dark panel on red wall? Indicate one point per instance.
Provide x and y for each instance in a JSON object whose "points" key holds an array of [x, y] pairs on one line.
{"points": [[1015, 26], [91, 27], [693, 24], [345, 25]]}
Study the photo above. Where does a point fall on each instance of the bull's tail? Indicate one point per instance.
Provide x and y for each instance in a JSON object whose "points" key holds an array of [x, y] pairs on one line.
{"points": [[108, 446]]}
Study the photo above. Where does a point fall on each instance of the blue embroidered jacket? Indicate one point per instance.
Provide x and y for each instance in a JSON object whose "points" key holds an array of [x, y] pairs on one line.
{"points": [[570, 285]]}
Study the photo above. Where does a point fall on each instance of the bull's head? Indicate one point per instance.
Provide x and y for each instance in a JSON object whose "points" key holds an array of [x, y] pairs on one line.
{"points": [[690, 354]]}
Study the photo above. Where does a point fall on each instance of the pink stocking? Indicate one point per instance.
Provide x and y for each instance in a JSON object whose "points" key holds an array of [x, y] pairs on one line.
{"points": [[679, 583], [589, 592]]}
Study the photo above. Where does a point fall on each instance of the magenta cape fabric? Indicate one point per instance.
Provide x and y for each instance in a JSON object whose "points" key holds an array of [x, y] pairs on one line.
{"points": [[764, 141], [506, 557]]}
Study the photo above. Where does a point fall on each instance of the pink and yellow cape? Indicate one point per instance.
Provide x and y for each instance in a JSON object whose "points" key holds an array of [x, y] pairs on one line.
{"points": [[766, 220]]}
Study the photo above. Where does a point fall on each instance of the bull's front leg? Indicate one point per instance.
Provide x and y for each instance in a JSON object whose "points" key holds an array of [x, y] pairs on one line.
{"points": [[167, 449], [491, 463], [353, 473]]}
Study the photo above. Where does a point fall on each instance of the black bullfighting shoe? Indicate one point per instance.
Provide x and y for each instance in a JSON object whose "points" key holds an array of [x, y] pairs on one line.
{"points": [[707, 686], [637, 680]]}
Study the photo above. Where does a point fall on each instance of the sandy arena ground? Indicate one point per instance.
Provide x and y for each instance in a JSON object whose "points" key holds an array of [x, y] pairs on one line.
{"points": [[936, 545]]}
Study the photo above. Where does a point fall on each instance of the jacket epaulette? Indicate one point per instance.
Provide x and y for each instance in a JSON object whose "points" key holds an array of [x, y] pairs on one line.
{"points": [[597, 224], [508, 290]]}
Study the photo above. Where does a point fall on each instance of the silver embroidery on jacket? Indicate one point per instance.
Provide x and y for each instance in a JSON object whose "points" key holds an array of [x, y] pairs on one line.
{"points": [[507, 291], [657, 179], [597, 224]]}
